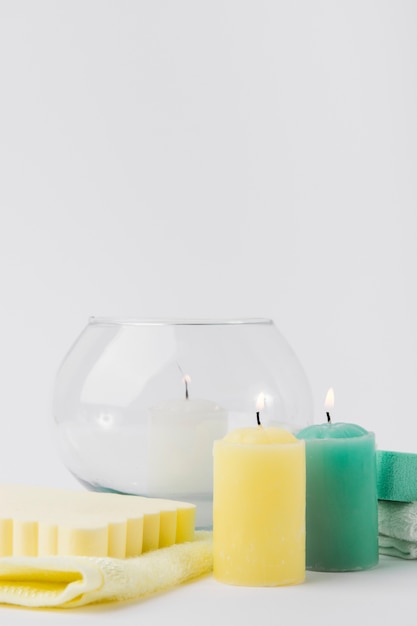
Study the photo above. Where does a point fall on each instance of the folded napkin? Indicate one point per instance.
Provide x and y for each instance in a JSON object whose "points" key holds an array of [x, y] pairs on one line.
{"points": [[397, 547], [398, 519], [74, 581]]}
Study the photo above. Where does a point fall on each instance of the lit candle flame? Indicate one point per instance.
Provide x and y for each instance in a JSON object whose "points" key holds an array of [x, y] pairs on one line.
{"points": [[260, 402], [186, 380], [329, 403], [260, 405]]}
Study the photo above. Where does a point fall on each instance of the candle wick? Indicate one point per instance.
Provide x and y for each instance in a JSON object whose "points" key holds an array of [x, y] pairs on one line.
{"points": [[186, 390], [257, 418], [328, 417]]}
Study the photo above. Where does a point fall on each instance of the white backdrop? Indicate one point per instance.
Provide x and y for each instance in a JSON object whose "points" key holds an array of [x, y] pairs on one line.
{"points": [[209, 159]]}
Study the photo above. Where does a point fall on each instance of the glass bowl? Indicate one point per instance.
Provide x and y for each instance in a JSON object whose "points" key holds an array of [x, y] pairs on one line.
{"points": [[138, 403]]}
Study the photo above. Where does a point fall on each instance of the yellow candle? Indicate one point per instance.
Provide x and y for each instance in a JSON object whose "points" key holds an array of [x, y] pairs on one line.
{"points": [[259, 508]]}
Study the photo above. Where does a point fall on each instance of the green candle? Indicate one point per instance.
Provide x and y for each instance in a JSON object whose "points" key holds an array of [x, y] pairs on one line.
{"points": [[342, 505]]}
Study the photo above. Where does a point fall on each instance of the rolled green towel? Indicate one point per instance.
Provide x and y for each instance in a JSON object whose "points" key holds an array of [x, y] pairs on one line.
{"points": [[396, 476], [397, 547], [397, 528], [398, 520]]}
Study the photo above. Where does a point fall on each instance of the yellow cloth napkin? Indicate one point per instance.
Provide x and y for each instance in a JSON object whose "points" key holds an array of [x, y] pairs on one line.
{"points": [[73, 581]]}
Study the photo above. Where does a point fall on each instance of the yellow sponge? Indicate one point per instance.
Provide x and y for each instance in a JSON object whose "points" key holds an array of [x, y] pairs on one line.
{"points": [[396, 476], [41, 521]]}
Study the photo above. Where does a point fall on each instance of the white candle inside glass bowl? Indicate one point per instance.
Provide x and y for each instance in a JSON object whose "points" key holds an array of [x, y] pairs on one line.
{"points": [[181, 436]]}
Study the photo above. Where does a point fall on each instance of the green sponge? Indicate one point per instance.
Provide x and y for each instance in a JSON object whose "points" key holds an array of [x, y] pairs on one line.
{"points": [[396, 476]]}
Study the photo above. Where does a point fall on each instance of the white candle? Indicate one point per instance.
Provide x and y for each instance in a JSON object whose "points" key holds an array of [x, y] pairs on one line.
{"points": [[181, 436], [166, 453]]}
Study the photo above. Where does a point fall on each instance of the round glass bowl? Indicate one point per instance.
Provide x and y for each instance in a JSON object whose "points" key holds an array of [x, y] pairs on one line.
{"points": [[138, 403]]}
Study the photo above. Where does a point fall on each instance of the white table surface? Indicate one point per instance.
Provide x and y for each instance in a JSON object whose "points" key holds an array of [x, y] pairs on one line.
{"points": [[385, 594]]}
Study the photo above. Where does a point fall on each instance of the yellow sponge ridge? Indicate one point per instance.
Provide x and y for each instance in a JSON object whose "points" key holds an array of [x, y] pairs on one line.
{"points": [[40, 521]]}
